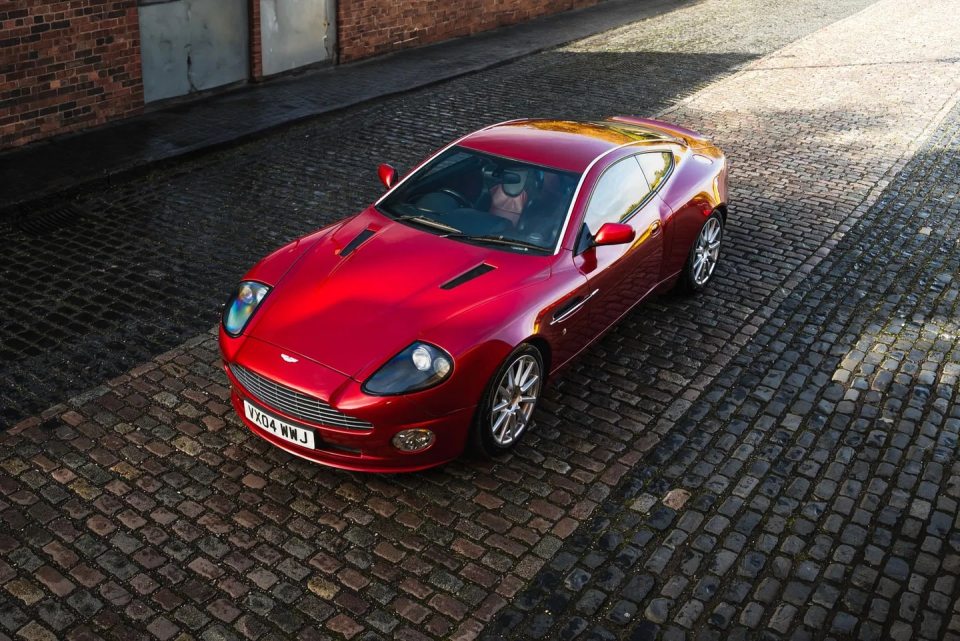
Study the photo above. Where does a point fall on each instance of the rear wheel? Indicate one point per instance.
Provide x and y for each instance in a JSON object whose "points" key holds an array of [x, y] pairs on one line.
{"points": [[704, 255], [506, 410]]}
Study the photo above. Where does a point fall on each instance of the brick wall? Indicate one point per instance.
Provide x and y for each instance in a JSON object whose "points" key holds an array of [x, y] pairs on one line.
{"points": [[72, 64], [370, 27], [256, 40], [66, 65]]}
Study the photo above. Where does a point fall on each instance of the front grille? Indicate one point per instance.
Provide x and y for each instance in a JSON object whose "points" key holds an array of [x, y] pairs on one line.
{"points": [[294, 403]]}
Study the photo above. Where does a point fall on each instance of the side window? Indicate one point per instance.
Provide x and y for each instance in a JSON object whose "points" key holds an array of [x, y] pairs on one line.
{"points": [[655, 166], [618, 193]]}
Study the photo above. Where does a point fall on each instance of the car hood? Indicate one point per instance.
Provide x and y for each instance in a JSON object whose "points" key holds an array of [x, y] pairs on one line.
{"points": [[351, 306]]}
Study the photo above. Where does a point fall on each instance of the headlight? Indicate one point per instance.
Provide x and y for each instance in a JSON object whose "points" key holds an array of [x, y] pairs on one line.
{"points": [[416, 368], [242, 305]]}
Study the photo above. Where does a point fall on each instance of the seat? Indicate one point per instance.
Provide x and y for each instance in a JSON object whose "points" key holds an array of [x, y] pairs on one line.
{"points": [[542, 217], [508, 200]]}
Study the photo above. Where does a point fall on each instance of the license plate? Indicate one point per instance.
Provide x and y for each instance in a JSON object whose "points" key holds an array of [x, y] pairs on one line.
{"points": [[302, 436]]}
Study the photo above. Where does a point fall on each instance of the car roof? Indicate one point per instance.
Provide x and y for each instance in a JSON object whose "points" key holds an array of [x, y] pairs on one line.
{"points": [[568, 145]]}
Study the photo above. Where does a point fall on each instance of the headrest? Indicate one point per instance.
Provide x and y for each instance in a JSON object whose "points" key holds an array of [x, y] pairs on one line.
{"points": [[511, 185]]}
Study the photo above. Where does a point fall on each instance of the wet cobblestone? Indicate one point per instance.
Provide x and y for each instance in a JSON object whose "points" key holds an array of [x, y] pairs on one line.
{"points": [[773, 458], [138, 269], [825, 509]]}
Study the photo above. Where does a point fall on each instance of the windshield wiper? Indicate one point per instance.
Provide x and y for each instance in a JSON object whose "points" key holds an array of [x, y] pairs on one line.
{"points": [[429, 222], [496, 240]]}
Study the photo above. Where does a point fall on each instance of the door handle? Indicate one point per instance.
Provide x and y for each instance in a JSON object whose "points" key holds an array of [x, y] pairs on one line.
{"points": [[654, 228], [571, 307]]}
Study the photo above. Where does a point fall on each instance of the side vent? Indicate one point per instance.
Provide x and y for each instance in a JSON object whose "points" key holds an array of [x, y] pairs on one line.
{"points": [[479, 270], [356, 242]]}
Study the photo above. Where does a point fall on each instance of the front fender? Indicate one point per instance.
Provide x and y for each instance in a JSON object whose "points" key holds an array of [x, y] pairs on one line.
{"points": [[271, 269], [480, 339]]}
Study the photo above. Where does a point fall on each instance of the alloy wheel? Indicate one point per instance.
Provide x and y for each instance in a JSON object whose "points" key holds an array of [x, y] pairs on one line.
{"points": [[707, 250], [514, 401]]}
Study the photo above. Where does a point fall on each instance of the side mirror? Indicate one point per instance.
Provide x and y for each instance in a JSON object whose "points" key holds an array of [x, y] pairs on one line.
{"points": [[614, 234], [388, 175]]}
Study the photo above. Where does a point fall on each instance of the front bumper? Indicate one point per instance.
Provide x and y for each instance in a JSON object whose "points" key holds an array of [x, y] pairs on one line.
{"points": [[368, 450]]}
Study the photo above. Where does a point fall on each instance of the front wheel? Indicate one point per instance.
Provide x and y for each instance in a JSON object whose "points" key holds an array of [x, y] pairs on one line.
{"points": [[703, 257], [506, 409]]}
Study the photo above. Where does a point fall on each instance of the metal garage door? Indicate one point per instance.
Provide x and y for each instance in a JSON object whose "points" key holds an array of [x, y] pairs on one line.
{"points": [[192, 45], [296, 33]]}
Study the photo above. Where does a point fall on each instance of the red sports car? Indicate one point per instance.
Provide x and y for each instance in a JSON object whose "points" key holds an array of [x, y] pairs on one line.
{"points": [[428, 323]]}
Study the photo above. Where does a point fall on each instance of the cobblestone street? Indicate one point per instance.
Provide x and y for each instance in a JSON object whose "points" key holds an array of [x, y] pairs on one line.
{"points": [[189, 232], [774, 458]]}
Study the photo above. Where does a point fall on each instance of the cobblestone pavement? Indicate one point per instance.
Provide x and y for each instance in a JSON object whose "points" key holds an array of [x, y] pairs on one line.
{"points": [[94, 286], [812, 489], [776, 455]]}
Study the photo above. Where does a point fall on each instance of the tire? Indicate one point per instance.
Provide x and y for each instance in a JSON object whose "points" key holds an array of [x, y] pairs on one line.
{"points": [[697, 274], [495, 431]]}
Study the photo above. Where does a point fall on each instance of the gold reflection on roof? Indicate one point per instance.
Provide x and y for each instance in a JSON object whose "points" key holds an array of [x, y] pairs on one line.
{"points": [[614, 133]]}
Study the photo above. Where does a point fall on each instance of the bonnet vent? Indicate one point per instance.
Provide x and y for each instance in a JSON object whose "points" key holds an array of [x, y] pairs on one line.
{"points": [[469, 275], [356, 242]]}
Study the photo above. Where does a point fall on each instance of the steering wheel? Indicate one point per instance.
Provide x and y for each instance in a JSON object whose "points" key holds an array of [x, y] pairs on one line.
{"points": [[457, 196]]}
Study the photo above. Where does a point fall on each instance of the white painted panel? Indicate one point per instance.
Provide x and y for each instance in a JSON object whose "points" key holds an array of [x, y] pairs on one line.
{"points": [[294, 33], [192, 45]]}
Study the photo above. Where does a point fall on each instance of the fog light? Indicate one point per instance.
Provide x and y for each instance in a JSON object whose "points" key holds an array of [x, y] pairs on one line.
{"points": [[413, 440]]}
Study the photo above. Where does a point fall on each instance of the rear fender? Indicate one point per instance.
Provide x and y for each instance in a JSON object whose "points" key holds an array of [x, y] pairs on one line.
{"points": [[689, 137]]}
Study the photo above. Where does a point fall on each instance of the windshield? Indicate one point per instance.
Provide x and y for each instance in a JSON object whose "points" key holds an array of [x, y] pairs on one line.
{"points": [[475, 197]]}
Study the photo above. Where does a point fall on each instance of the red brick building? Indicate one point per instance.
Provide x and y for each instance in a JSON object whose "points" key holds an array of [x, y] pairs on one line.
{"points": [[67, 65], [371, 27]]}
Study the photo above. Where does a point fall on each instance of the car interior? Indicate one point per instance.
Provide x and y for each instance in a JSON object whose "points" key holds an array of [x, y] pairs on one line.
{"points": [[485, 196]]}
